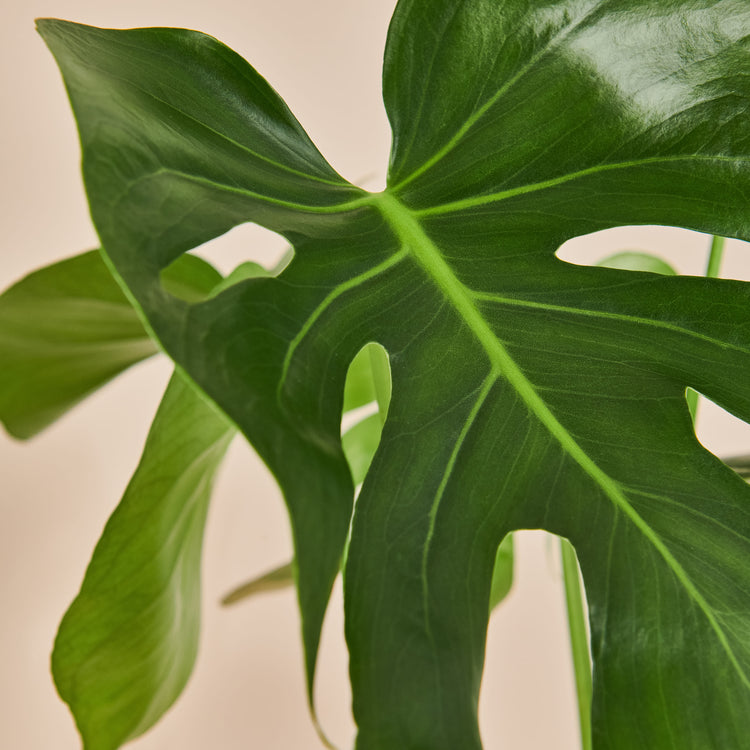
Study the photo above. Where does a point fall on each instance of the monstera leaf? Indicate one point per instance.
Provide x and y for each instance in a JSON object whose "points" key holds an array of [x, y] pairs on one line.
{"points": [[527, 393]]}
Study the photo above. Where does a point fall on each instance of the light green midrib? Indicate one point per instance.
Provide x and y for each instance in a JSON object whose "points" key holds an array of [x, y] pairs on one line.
{"points": [[406, 227]]}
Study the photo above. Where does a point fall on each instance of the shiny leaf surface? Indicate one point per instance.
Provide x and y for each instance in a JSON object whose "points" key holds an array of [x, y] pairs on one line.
{"points": [[527, 392]]}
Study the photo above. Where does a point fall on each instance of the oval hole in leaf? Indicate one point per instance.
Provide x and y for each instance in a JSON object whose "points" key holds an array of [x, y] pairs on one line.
{"points": [[246, 251], [245, 242], [685, 250], [723, 434], [367, 393]]}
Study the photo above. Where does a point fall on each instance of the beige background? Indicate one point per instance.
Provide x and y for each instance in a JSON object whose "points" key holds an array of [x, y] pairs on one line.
{"points": [[247, 691]]}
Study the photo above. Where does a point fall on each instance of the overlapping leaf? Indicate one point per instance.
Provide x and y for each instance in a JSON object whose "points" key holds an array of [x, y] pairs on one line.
{"points": [[126, 646], [526, 392], [64, 331]]}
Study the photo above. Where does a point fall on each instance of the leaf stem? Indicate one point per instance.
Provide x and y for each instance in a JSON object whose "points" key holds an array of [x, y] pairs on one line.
{"points": [[579, 644], [715, 257], [713, 268]]}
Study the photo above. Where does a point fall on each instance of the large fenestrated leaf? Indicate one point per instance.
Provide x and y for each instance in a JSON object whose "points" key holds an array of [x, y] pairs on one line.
{"points": [[526, 392]]}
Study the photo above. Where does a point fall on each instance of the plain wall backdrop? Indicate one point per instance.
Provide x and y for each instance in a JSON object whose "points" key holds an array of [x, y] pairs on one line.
{"points": [[57, 491]]}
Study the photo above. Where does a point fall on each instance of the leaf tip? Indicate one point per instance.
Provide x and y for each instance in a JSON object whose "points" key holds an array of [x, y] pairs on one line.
{"points": [[45, 26]]}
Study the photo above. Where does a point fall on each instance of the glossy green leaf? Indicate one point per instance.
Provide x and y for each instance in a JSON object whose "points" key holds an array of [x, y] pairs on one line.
{"points": [[203, 164], [127, 645], [527, 392], [67, 329]]}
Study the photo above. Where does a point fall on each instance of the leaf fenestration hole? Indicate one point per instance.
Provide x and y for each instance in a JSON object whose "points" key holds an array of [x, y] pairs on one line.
{"points": [[367, 393], [245, 242], [527, 661], [723, 434], [683, 249], [245, 250]]}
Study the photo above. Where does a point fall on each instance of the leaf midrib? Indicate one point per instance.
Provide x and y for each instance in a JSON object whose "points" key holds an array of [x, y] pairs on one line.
{"points": [[412, 236]]}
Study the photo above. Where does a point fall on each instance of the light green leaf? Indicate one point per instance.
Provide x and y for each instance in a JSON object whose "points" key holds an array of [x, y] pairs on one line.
{"points": [[191, 278], [359, 389], [278, 578], [527, 392], [502, 574], [249, 270], [127, 645], [67, 329], [360, 443], [636, 260]]}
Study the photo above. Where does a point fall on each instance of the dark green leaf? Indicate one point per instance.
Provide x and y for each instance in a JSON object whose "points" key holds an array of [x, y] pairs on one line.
{"points": [[127, 645], [527, 392], [217, 147]]}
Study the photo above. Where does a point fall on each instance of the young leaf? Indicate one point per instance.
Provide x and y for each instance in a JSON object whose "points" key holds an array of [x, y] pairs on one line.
{"points": [[67, 329], [527, 393], [127, 644], [635, 260]]}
